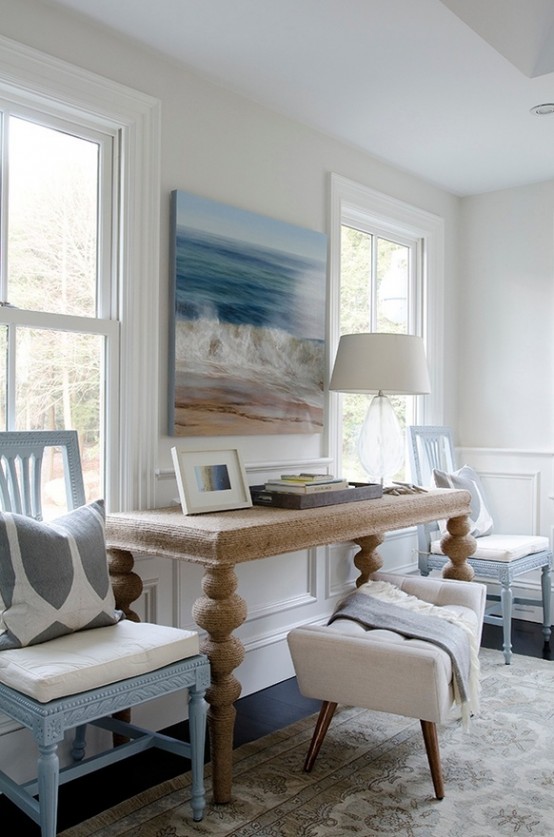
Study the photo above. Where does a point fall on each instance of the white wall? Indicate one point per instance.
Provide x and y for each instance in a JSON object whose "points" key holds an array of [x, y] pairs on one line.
{"points": [[505, 310]]}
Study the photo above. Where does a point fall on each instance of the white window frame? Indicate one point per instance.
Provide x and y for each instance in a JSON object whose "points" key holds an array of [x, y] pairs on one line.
{"points": [[27, 75], [355, 204]]}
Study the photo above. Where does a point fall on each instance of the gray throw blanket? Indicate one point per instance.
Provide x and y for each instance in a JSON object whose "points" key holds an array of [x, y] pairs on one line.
{"points": [[374, 613]]}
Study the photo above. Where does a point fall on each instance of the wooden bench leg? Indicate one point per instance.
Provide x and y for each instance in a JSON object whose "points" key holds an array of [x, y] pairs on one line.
{"points": [[325, 714], [430, 737]]}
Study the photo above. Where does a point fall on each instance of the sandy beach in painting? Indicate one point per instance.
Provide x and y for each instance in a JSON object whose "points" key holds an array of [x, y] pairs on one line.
{"points": [[244, 380]]}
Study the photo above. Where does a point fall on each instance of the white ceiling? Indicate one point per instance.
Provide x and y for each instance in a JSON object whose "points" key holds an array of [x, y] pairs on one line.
{"points": [[440, 89]]}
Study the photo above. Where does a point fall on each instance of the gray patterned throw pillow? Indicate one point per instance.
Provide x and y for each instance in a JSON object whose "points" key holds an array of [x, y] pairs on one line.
{"points": [[53, 576]]}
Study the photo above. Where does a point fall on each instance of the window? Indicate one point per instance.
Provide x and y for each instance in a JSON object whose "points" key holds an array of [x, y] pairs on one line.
{"points": [[57, 319], [385, 276], [378, 292], [79, 228]]}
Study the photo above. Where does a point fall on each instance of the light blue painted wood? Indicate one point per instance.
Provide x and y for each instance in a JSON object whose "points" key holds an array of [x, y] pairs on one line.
{"points": [[433, 447], [49, 721], [21, 456]]}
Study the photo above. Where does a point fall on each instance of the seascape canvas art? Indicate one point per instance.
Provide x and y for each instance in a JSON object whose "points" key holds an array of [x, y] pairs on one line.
{"points": [[248, 330]]}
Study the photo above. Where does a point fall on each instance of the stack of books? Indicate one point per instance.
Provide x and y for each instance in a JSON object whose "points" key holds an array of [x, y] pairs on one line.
{"points": [[304, 491], [306, 483]]}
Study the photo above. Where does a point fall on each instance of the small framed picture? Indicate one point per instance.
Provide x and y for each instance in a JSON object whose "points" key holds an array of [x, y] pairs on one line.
{"points": [[210, 480]]}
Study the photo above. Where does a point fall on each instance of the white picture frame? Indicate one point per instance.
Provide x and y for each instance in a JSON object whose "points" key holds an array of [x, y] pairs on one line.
{"points": [[210, 480]]}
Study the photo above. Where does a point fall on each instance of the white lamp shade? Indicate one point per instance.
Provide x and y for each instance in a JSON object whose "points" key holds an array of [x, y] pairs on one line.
{"points": [[379, 362]]}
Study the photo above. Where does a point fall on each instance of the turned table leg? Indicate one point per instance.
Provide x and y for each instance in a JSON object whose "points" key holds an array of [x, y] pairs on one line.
{"points": [[367, 560], [219, 611], [126, 584], [127, 587], [458, 545]]}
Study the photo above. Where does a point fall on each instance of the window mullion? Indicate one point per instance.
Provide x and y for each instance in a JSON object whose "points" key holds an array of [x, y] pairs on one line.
{"points": [[11, 366], [373, 283], [414, 289], [3, 204], [59, 322], [107, 270]]}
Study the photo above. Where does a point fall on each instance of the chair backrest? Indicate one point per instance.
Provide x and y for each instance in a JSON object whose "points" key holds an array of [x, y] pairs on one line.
{"points": [[21, 459], [429, 448]]}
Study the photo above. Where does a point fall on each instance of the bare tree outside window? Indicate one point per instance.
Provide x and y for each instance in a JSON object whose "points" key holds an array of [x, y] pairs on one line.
{"points": [[53, 367], [52, 220]]}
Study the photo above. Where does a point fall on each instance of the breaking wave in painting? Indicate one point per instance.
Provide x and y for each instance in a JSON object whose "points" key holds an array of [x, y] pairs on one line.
{"points": [[249, 348]]}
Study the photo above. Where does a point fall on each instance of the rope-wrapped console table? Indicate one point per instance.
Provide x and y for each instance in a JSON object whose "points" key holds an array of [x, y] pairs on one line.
{"points": [[219, 541]]}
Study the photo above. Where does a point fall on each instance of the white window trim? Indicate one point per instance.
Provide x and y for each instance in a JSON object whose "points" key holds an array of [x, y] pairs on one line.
{"points": [[394, 216], [133, 410]]}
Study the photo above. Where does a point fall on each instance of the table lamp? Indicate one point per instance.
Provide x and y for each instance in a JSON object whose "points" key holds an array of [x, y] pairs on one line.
{"points": [[383, 364]]}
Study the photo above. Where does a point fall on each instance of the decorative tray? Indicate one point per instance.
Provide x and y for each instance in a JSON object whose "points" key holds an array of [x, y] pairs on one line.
{"points": [[284, 500]]}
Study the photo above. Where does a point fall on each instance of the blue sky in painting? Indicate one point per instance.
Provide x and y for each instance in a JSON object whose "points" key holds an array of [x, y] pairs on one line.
{"points": [[219, 218]]}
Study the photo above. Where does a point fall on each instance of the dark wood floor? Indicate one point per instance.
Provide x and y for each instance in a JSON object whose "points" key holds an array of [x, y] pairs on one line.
{"points": [[257, 715]]}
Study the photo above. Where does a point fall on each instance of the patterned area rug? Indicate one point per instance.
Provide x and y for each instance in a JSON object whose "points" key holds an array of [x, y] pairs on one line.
{"points": [[372, 776]]}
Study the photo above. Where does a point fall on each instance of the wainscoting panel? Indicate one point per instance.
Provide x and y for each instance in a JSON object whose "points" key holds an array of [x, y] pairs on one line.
{"points": [[340, 572], [156, 604], [513, 500], [279, 583], [518, 485]]}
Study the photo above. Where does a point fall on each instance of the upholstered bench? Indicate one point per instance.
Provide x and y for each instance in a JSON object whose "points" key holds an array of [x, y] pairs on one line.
{"points": [[346, 663]]}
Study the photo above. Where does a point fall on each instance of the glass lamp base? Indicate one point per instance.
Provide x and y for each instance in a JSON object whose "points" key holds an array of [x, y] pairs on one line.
{"points": [[381, 444]]}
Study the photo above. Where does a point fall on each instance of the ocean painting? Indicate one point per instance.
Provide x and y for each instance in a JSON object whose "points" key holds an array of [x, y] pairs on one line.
{"points": [[249, 322]]}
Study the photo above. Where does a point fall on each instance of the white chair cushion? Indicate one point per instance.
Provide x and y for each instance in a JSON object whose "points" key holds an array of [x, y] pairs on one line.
{"points": [[503, 547], [89, 659]]}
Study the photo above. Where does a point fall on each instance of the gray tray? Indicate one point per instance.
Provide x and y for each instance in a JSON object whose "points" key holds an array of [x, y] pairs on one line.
{"points": [[289, 500]]}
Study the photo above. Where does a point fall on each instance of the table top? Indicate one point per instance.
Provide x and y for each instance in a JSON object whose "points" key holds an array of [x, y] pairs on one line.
{"points": [[233, 537]]}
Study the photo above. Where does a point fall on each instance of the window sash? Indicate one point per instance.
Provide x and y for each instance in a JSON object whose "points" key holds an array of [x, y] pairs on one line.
{"points": [[415, 272], [107, 141]]}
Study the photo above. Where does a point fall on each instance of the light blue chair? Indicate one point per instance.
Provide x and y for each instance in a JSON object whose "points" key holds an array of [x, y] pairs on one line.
{"points": [[83, 677], [433, 448]]}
